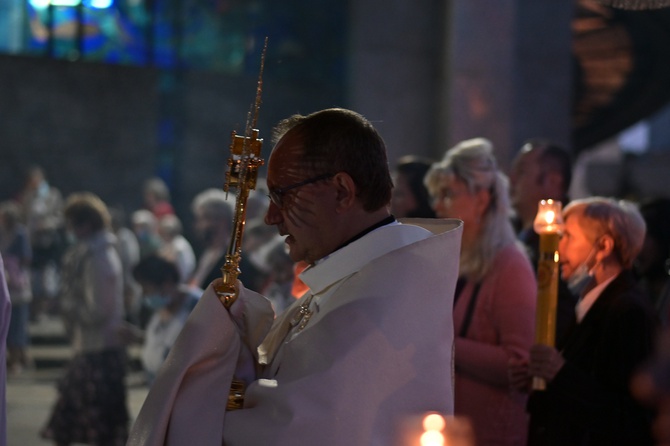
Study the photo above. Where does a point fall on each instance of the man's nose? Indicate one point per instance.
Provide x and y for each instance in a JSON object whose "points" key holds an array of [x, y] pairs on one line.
{"points": [[273, 215]]}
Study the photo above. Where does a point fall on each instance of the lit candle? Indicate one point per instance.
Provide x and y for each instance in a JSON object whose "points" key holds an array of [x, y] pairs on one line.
{"points": [[548, 224], [433, 425]]}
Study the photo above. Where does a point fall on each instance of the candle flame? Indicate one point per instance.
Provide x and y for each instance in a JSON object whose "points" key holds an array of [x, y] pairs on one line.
{"points": [[434, 422], [550, 216], [432, 438]]}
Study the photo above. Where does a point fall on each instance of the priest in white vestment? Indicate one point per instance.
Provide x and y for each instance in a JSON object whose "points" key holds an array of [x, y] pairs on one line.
{"points": [[369, 346]]}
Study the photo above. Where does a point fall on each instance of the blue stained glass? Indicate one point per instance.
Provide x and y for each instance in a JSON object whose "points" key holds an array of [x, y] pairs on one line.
{"points": [[309, 38]]}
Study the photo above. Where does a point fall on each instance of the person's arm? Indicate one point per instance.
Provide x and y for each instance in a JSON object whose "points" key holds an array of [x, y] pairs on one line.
{"points": [[130, 334], [513, 318]]}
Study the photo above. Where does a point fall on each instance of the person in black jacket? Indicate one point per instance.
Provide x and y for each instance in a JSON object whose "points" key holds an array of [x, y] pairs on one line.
{"points": [[587, 400]]}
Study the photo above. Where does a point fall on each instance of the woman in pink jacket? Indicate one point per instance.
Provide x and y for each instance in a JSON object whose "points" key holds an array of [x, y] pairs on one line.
{"points": [[494, 309]]}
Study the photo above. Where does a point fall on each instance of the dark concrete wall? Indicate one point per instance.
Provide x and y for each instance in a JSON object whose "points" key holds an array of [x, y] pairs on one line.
{"points": [[509, 73], [396, 52], [107, 128], [92, 127]]}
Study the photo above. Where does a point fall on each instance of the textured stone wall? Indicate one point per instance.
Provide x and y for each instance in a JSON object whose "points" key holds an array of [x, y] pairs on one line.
{"points": [[92, 127], [106, 128]]}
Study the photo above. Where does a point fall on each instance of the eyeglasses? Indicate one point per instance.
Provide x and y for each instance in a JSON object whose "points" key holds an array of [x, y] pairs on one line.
{"points": [[277, 194]]}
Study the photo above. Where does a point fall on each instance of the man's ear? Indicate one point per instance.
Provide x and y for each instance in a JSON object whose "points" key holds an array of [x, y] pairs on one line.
{"points": [[345, 188], [606, 246]]}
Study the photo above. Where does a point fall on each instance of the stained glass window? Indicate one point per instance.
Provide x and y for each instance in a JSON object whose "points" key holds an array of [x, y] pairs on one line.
{"points": [[220, 35]]}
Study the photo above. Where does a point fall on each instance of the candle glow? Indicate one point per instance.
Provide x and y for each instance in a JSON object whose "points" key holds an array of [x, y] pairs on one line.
{"points": [[433, 425]]}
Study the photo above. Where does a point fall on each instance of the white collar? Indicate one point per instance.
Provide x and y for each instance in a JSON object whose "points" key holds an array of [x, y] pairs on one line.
{"points": [[354, 256]]}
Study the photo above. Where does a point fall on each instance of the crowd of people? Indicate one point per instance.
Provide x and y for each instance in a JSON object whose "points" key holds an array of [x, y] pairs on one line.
{"points": [[375, 309], [115, 280]]}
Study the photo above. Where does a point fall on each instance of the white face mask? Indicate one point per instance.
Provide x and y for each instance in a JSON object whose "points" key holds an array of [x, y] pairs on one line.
{"points": [[582, 276]]}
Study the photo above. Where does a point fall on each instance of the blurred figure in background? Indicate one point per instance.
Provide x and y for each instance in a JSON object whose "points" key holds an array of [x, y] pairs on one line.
{"points": [[258, 201], [5, 314], [213, 212], [540, 171], [213, 217], [171, 303], [410, 197], [299, 287], [587, 400], [257, 243], [42, 206], [129, 253], [157, 197], [651, 386], [91, 405], [145, 226], [280, 281], [653, 262], [175, 247], [15, 249], [494, 307]]}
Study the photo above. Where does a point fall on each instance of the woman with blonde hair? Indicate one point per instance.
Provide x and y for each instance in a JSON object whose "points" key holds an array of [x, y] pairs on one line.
{"points": [[494, 310]]}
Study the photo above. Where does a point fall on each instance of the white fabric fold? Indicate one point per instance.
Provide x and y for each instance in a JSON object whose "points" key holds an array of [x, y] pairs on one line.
{"points": [[187, 402], [379, 350]]}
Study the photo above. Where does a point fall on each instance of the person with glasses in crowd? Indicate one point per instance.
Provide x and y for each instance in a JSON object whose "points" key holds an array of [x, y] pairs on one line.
{"points": [[368, 347]]}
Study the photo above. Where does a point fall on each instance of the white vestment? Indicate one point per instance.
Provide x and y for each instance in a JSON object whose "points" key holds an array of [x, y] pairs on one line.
{"points": [[377, 349]]}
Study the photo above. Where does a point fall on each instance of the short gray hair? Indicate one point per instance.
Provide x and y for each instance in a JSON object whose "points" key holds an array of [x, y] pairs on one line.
{"points": [[621, 220], [215, 204]]}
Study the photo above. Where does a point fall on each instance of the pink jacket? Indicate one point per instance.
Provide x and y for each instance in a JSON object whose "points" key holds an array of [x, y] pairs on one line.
{"points": [[502, 327]]}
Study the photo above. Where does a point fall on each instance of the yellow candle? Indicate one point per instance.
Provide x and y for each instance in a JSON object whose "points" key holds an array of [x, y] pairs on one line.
{"points": [[548, 224]]}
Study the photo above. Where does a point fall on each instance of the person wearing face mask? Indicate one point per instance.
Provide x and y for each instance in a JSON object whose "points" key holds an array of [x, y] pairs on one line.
{"points": [[587, 400], [170, 303]]}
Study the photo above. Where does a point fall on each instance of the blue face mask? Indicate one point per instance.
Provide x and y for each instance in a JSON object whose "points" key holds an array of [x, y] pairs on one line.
{"points": [[156, 301], [582, 277]]}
